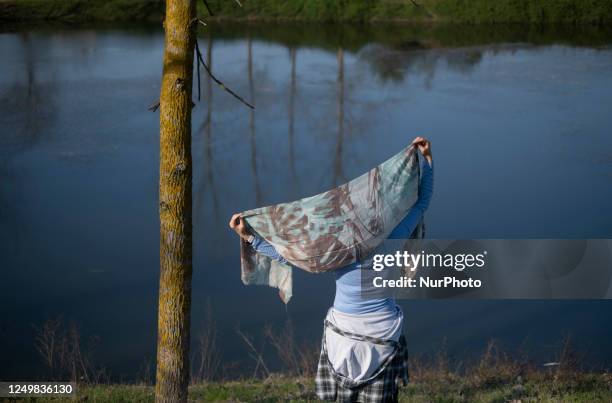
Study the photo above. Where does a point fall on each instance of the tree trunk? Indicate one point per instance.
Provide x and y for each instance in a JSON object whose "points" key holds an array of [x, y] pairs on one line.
{"points": [[175, 204]]}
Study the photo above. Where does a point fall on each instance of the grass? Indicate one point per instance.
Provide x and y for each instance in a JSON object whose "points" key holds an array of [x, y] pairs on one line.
{"points": [[494, 375], [583, 388], [456, 11], [542, 388]]}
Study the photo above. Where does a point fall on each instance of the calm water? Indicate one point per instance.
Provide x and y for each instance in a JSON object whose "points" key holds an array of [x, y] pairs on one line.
{"points": [[520, 124]]}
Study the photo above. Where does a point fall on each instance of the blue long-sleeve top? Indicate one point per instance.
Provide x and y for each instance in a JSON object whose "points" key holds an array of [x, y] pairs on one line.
{"points": [[348, 297]]}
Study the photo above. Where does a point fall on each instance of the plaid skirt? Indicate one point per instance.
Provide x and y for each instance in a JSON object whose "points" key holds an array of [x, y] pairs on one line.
{"points": [[382, 386]]}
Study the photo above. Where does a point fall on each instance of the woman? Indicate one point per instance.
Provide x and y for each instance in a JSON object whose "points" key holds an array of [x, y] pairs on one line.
{"points": [[363, 351]]}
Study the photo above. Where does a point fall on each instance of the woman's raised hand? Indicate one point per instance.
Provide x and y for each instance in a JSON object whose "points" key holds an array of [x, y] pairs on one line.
{"points": [[237, 224], [424, 147]]}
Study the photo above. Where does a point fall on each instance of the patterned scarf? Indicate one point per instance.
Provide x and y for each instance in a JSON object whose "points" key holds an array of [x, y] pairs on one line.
{"points": [[334, 228]]}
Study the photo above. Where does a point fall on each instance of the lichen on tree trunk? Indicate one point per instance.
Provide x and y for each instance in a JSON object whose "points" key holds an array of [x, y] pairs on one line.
{"points": [[175, 177]]}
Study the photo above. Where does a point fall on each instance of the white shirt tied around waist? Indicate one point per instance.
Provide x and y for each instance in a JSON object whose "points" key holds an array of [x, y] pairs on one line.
{"points": [[358, 360]]}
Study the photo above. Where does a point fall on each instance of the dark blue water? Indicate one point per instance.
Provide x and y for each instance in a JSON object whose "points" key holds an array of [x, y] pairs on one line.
{"points": [[521, 132]]}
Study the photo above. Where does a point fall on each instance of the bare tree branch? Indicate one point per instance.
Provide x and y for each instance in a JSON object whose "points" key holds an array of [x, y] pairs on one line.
{"points": [[154, 106], [208, 8], [215, 79]]}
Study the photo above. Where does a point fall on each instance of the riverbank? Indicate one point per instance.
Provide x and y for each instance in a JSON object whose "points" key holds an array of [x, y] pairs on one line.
{"points": [[455, 11], [79, 11], [584, 388]]}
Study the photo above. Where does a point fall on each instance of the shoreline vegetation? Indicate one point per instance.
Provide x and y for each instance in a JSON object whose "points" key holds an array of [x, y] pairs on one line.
{"points": [[496, 374], [577, 12], [585, 388]]}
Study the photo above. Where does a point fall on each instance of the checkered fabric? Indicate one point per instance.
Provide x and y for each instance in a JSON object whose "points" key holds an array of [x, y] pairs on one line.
{"points": [[382, 386]]}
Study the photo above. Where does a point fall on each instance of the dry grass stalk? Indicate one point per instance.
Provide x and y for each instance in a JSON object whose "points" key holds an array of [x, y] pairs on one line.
{"points": [[298, 360], [209, 359], [63, 354], [255, 355]]}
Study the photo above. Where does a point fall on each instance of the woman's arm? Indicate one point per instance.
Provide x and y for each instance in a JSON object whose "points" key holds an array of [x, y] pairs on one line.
{"points": [[260, 245], [405, 228]]}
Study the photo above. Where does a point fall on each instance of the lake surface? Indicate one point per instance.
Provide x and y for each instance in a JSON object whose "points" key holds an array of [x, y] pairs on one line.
{"points": [[519, 119]]}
